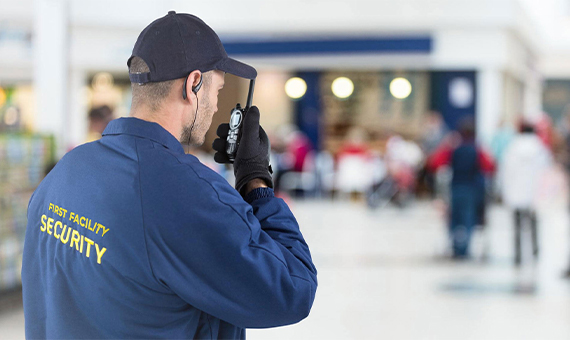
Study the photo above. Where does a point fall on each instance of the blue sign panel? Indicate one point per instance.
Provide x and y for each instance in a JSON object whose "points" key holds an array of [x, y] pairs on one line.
{"points": [[454, 95]]}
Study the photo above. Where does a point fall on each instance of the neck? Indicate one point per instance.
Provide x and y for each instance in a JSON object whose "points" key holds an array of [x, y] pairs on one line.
{"points": [[162, 117]]}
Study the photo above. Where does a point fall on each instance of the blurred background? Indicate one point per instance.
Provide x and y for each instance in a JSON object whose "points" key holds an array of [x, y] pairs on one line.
{"points": [[424, 147]]}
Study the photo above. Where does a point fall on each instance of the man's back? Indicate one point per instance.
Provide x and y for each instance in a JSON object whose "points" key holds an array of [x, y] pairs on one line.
{"points": [[115, 250], [465, 166]]}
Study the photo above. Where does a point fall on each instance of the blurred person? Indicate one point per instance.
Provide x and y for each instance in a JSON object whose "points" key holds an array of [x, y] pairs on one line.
{"points": [[355, 143], [129, 237], [544, 129], [353, 159], [562, 149], [524, 161], [435, 131], [499, 143], [403, 159], [561, 152], [299, 146], [564, 123], [501, 140], [294, 150], [98, 117], [281, 160], [469, 164]]}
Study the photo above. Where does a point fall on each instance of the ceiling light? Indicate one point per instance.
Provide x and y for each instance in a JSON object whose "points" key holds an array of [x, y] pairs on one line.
{"points": [[295, 87], [400, 88], [342, 87]]}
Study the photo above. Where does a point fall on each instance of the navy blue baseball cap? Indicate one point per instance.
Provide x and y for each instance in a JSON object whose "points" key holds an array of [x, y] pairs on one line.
{"points": [[177, 44]]}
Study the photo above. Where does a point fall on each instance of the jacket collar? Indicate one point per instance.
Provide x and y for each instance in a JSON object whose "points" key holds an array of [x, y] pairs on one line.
{"points": [[144, 129]]}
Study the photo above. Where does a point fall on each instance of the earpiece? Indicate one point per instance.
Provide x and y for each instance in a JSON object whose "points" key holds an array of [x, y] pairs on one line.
{"points": [[195, 89]]}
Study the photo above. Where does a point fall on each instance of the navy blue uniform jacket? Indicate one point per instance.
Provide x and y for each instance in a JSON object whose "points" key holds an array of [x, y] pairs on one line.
{"points": [[129, 237]]}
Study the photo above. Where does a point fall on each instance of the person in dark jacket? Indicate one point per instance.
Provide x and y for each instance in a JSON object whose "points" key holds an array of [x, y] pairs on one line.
{"points": [[129, 237], [469, 163]]}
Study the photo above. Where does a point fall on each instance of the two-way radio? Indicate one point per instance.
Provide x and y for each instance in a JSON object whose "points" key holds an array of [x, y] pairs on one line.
{"points": [[236, 119]]}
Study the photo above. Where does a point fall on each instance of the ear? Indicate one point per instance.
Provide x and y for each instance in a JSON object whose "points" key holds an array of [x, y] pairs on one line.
{"points": [[192, 84]]}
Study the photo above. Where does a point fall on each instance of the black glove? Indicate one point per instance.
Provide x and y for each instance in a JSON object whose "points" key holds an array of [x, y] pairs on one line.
{"points": [[252, 157]]}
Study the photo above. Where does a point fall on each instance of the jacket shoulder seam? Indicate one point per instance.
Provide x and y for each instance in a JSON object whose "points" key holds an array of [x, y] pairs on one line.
{"points": [[142, 217], [235, 211]]}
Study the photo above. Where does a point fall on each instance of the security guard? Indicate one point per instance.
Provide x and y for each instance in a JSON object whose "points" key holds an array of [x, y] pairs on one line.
{"points": [[129, 237]]}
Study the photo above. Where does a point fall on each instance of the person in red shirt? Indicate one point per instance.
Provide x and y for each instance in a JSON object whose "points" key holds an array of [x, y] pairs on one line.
{"points": [[469, 165]]}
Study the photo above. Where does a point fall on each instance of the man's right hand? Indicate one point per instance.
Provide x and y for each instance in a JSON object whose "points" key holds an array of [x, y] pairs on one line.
{"points": [[252, 157]]}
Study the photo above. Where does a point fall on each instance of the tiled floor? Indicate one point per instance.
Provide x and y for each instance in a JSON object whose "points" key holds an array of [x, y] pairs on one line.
{"points": [[382, 275]]}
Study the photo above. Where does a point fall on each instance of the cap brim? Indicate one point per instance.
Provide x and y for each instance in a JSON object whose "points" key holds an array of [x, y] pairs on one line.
{"points": [[237, 68]]}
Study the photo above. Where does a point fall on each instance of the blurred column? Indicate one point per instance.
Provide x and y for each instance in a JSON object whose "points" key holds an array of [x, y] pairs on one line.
{"points": [[77, 108], [308, 108], [490, 83], [50, 69]]}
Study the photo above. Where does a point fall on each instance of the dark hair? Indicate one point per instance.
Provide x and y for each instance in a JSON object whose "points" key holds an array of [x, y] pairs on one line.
{"points": [[467, 128], [101, 113], [154, 93], [526, 128]]}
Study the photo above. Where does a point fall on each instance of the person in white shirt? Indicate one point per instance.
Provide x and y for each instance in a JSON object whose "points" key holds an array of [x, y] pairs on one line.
{"points": [[524, 161]]}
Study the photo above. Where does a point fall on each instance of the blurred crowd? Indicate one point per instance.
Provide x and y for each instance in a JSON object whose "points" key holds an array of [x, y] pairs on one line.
{"points": [[448, 166]]}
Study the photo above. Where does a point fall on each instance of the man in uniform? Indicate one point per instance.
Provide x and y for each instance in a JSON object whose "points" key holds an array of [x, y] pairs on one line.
{"points": [[129, 237]]}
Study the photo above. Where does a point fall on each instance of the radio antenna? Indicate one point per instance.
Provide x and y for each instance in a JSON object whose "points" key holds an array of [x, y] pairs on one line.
{"points": [[250, 94]]}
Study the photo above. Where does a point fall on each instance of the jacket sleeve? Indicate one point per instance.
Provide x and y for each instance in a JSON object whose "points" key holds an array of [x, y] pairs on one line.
{"points": [[246, 264], [486, 162], [440, 157]]}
